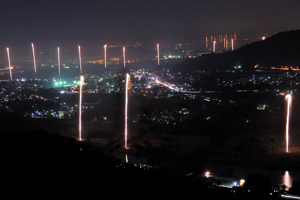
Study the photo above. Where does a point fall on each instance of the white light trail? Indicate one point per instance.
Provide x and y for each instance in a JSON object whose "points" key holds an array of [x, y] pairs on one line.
{"points": [[126, 108], [232, 45], [80, 106], [226, 44], [58, 61], [214, 46], [9, 65], [287, 180], [33, 54], [124, 60], [105, 46], [79, 52], [157, 47], [288, 99]]}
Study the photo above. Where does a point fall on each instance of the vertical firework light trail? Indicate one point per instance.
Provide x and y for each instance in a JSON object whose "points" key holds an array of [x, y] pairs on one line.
{"points": [[79, 52], [33, 54], [124, 60], [80, 106], [126, 108], [9, 65], [105, 46], [58, 61], [214, 46], [157, 46], [232, 47], [288, 99]]}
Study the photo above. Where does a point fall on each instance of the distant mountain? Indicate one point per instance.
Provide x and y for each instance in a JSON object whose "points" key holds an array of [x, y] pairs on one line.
{"points": [[282, 49]]}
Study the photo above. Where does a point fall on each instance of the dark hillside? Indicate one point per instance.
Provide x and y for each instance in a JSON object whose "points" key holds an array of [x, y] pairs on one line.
{"points": [[282, 49]]}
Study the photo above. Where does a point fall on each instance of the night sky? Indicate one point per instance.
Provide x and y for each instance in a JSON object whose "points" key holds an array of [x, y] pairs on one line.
{"points": [[101, 21]]}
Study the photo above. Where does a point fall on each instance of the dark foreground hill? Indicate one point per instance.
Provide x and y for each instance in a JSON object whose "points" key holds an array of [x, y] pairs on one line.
{"points": [[41, 165], [282, 49]]}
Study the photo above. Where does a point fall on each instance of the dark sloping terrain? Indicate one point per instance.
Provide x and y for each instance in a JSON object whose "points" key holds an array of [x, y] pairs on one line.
{"points": [[282, 49]]}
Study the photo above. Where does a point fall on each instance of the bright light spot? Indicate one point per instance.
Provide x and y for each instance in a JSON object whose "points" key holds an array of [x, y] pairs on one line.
{"points": [[207, 174], [242, 182]]}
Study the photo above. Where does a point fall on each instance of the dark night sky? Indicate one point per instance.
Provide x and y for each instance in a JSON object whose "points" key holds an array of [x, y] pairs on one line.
{"points": [[74, 21]]}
